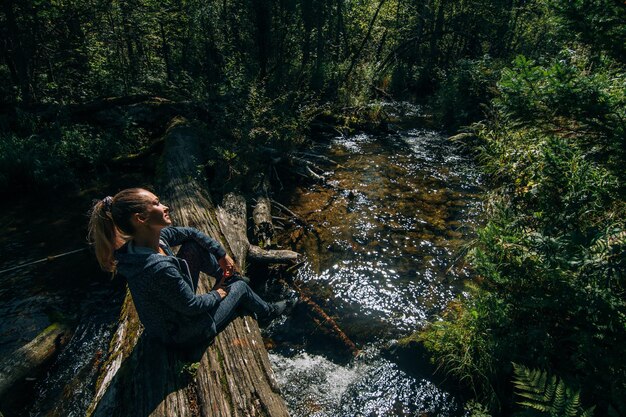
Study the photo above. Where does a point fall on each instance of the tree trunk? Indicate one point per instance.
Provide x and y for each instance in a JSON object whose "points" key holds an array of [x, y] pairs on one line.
{"points": [[357, 54], [263, 23], [165, 48], [18, 54], [436, 34], [233, 376]]}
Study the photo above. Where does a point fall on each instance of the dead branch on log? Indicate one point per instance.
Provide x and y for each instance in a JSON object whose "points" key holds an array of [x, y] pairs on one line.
{"points": [[289, 212], [297, 163], [272, 256], [317, 156], [320, 317]]}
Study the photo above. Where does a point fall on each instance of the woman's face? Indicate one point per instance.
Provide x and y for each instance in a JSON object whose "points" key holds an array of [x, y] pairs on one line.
{"points": [[156, 214]]}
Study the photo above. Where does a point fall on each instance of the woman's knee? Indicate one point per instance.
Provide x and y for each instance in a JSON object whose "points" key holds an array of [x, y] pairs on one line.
{"points": [[238, 287]]}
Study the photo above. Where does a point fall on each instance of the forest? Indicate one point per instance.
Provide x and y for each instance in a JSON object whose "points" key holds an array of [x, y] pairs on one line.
{"points": [[535, 91]]}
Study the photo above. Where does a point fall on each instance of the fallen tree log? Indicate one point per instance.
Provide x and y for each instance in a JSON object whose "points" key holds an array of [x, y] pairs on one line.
{"points": [[272, 256], [232, 219], [28, 359], [232, 377]]}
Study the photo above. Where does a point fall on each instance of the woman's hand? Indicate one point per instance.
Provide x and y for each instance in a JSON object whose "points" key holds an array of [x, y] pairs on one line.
{"points": [[222, 292], [228, 266]]}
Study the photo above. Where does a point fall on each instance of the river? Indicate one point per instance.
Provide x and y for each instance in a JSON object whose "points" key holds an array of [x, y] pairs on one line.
{"points": [[383, 239]]}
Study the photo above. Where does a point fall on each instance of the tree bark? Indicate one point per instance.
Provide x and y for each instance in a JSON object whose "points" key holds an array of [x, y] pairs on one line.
{"points": [[233, 375], [263, 227], [272, 256], [232, 219]]}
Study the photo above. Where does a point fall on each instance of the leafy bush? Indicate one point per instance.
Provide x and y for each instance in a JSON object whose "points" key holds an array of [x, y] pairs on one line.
{"points": [[61, 155], [551, 260], [567, 98], [458, 100], [463, 344]]}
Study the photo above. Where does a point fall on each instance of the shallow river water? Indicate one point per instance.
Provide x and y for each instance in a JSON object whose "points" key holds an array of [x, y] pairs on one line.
{"points": [[383, 239]]}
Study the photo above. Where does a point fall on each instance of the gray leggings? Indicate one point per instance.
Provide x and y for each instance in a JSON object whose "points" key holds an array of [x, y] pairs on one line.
{"points": [[240, 295]]}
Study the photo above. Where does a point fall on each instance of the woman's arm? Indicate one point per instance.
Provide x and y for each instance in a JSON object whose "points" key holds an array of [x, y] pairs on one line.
{"points": [[177, 235], [174, 291]]}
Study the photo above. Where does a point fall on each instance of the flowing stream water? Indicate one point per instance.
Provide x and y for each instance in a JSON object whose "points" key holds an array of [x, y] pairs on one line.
{"points": [[382, 237], [383, 240]]}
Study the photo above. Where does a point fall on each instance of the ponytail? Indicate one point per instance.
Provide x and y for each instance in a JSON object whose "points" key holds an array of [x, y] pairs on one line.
{"points": [[103, 234], [110, 224]]}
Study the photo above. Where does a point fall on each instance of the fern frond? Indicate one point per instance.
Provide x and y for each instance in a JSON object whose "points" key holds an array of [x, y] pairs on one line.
{"points": [[551, 390], [572, 403], [530, 382], [588, 412], [560, 394], [547, 394]]}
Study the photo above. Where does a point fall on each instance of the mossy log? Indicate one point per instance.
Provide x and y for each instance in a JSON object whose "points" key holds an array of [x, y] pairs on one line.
{"points": [[231, 377], [29, 359]]}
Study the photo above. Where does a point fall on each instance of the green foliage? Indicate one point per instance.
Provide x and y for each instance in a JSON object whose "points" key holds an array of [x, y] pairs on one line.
{"points": [[190, 369], [463, 343], [250, 122], [475, 409], [566, 95], [552, 250], [458, 100], [547, 394], [60, 155], [599, 23]]}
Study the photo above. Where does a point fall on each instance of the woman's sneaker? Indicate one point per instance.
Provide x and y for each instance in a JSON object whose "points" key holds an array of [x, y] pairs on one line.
{"points": [[277, 309]]}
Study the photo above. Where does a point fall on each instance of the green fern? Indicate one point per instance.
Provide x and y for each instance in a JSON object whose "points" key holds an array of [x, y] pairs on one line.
{"points": [[547, 394]]}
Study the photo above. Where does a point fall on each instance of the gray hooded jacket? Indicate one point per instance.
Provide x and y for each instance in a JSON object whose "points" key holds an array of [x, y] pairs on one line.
{"points": [[163, 290]]}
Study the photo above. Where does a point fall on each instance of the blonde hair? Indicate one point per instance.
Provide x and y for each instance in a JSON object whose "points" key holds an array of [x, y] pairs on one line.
{"points": [[110, 223]]}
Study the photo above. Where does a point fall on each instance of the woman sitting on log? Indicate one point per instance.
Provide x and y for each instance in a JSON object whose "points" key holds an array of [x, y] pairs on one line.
{"points": [[132, 236]]}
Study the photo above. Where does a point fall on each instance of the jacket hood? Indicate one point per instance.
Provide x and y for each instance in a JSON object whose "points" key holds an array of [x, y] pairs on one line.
{"points": [[133, 260]]}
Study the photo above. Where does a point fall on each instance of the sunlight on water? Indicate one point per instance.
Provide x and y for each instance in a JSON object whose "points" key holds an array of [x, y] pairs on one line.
{"points": [[369, 386], [69, 385], [387, 232], [384, 240]]}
